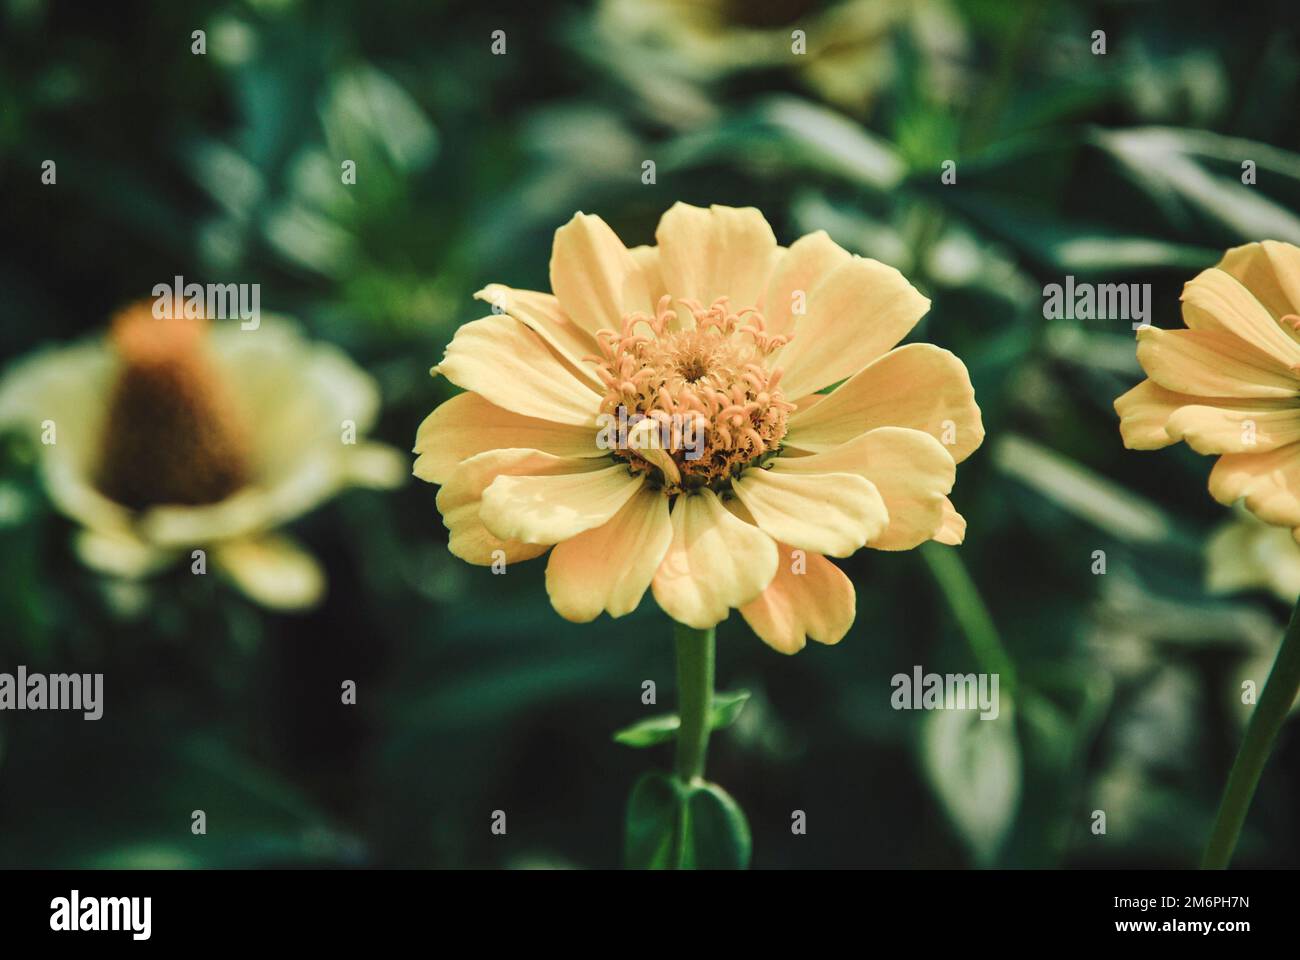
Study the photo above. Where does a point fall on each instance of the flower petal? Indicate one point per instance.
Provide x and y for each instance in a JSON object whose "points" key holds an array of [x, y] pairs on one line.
{"points": [[594, 276], [919, 386], [831, 513], [953, 529], [1216, 301], [1271, 271], [610, 567], [1241, 428], [1143, 413], [120, 553], [718, 252], [809, 598], [551, 508], [541, 313], [647, 259], [913, 472], [1211, 363], [273, 570], [510, 366], [467, 425], [797, 272], [856, 314], [716, 561], [1270, 483], [461, 496]]}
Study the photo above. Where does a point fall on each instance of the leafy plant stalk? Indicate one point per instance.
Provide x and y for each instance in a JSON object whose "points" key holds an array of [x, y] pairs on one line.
{"points": [[695, 664], [1265, 723]]}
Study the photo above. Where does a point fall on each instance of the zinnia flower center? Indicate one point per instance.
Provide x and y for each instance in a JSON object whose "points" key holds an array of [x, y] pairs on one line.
{"points": [[692, 408], [172, 435]]}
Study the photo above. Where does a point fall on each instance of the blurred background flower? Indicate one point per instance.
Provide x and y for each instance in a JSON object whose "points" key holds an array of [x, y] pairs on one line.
{"points": [[1122, 167], [166, 438]]}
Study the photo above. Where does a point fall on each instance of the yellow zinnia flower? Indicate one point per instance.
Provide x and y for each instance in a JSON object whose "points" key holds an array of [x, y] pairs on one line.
{"points": [[172, 436], [658, 422], [1230, 383]]}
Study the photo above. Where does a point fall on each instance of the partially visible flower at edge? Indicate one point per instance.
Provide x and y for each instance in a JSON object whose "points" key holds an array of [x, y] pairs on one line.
{"points": [[707, 326], [1229, 384], [172, 435], [1246, 554]]}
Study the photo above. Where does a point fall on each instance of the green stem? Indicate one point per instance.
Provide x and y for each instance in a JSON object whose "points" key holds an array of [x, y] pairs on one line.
{"points": [[1271, 711], [972, 615], [695, 655]]}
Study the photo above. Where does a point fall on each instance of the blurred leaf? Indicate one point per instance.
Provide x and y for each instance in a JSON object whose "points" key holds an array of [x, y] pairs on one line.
{"points": [[795, 133], [1170, 165], [660, 729], [1073, 246], [1081, 491], [974, 765]]}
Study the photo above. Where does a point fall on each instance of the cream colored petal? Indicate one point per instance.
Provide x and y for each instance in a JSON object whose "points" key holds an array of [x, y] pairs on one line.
{"points": [[552, 508], [919, 386], [1238, 429], [610, 567], [375, 465], [856, 314], [244, 513], [953, 529], [830, 513], [467, 425], [715, 562], [121, 554], [1216, 301], [797, 272], [594, 276], [273, 571], [461, 496], [1143, 413], [1269, 482], [1231, 562], [809, 598], [541, 313], [647, 259], [912, 471], [1271, 271], [510, 366], [1210, 363], [718, 252]]}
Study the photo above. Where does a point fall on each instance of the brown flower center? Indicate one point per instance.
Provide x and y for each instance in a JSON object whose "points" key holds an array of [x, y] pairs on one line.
{"points": [[172, 435], [691, 408]]}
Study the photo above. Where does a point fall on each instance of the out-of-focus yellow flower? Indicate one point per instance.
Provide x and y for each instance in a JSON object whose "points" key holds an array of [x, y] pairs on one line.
{"points": [[845, 56], [658, 421], [170, 436], [1246, 554], [1230, 383]]}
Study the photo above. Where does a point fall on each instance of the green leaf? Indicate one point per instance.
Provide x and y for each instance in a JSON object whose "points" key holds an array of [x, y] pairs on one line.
{"points": [[974, 766], [653, 812], [659, 729], [726, 708], [650, 731], [719, 833], [672, 825]]}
